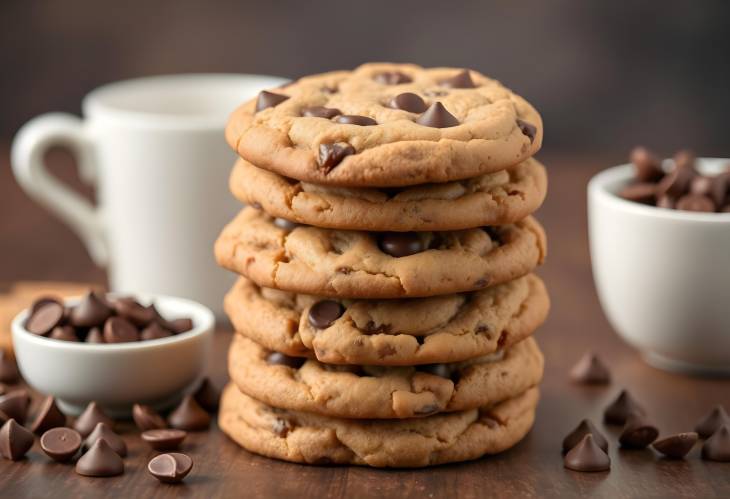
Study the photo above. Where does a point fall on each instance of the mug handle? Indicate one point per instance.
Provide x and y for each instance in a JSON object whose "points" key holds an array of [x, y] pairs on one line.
{"points": [[28, 150]]}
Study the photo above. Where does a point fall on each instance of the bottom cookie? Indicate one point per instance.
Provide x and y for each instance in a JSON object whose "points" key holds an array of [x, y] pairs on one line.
{"points": [[309, 438]]}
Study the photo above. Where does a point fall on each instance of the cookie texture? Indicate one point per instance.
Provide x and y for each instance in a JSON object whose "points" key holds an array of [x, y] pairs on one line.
{"points": [[377, 392], [497, 198], [448, 328], [314, 439], [351, 128], [352, 264]]}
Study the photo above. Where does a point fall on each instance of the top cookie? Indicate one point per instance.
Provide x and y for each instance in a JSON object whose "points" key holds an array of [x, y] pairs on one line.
{"points": [[386, 125]]}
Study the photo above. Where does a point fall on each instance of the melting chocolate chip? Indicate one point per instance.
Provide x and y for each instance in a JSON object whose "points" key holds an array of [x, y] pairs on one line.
{"points": [[281, 427], [585, 427], [441, 370], [63, 333], [400, 244], [710, 423], [91, 416], [587, 456], [620, 409], [170, 468], [279, 359], [320, 112], [15, 405], [638, 432], [324, 313], [100, 460], [460, 80], [590, 370], [15, 441], [61, 444], [49, 416], [118, 330], [45, 317], [285, 224], [103, 432], [695, 202], [91, 311], [8, 368], [437, 116], [189, 416], [207, 395], [269, 99], [717, 447], [134, 312], [528, 129], [676, 446], [146, 418], [392, 78], [351, 119], [164, 439], [647, 166], [154, 332], [408, 101], [331, 155]]}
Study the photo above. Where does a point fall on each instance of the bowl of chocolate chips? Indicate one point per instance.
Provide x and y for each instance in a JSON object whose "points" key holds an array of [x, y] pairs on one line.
{"points": [[659, 234], [113, 349]]}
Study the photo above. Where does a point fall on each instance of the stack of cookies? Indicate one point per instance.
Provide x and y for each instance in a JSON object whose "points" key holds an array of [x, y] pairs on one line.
{"points": [[386, 304]]}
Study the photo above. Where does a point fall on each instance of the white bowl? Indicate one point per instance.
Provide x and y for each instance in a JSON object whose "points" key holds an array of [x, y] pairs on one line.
{"points": [[663, 276], [154, 372]]}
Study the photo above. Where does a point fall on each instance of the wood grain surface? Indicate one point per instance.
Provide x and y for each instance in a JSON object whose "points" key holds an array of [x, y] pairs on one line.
{"points": [[36, 246]]}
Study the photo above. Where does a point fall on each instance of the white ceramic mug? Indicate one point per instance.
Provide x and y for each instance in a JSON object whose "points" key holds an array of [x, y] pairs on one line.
{"points": [[155, 150], [663, 276]]}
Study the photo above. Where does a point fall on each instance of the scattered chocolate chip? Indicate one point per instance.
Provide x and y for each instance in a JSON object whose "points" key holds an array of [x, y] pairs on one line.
{"points": [[587, 456], [63, 333], [590, 370], [717, 447], [584, 428], [146, 418], [460, 80], [269, 99], [8, 368], [285, 224], [351, 119], [710, 423], [408, 101], [170, 468], [701, 185], [46, 317], [100, 460], [91, 311], [15, 405], [320, 112], [91, 416], [638, 432], [95, 336], [392, 78], [528, 129], [279, 359], [324, 313], [164, 439], [400, 244], [639, 193], [647, 166], [676, 446], [48, 416], [61, 444], [441, 370], [103, 432], [675, 183], [437, 116], [154, 332], [207, 395], [15, 441], [695, 202], [620, 409], [118, 330], [134, 312], [189, 416], [331, 155], [281, 427]]}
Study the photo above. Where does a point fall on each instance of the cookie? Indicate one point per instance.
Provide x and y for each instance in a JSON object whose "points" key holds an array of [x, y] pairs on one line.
{"points": [[448, 328], [356, 264], [497, 198], [377, 392], [311, 438], [386, 125]]}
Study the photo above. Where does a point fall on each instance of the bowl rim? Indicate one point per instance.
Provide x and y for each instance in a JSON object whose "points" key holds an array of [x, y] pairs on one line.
{"points": [[598, 189], [203, 323]]}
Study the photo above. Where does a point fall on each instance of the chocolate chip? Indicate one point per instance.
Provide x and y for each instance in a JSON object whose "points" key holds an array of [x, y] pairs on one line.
{"points": [[47, 316], [676, 446], [585, 427], [638, 432], [15, 405], [590, 370], [15, 441], [8, 368], [178, 326], [442, 370], [48, 416], [164, 439], [91, 311], [207, 395], [285, 224], [269, 99], [666, 202], [324, 313], [134, 312], [154, 332], [100, 460], [103, 432], [91, 416], [400, 244], [352, 119], [170, 468], [118, 330], [647, 166], [320, 112], [279, 359], [61, 444], [281, 427], [460, 80], [587, 456], [392, 78], [701, 185], [331, 155], [720, 189], [408, 101], [528, 129], [684, 159], [39, 302], [620, 409], [437, 116], [675, 183], [146, 418], [94, 336], [189, 416], [63, 333], [695, 202], [717, 447], [708, 424]]}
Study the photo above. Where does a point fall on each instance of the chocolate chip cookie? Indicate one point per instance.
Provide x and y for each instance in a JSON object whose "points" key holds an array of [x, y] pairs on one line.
{"points": [[354, 264], [498, 198], [448, 328], [310, 438], [386, 125]]}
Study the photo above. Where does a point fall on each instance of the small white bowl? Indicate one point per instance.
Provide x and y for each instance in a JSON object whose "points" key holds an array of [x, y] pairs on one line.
{"points": [[154, 372], [663, 276]]}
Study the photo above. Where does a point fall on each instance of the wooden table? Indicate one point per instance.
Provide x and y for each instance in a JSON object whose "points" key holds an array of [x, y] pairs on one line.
{"points": [[533, 468]]}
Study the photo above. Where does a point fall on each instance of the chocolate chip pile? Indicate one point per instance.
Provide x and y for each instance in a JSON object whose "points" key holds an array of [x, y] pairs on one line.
{"points": [[682, 187], [101, 319], [586, 448]]}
